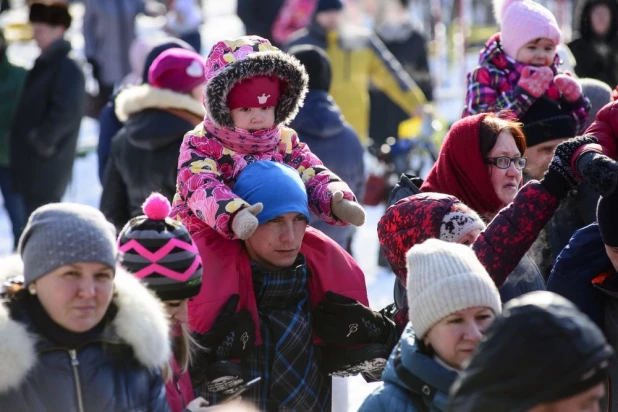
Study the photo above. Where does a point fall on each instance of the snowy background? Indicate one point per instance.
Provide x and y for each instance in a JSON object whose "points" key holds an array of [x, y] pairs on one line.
{"points": [[221, 22]]}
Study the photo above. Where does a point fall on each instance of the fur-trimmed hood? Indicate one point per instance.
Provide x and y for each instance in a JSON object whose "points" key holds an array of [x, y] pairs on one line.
{"points": [[232, 61], [140, 322], [137, 98]]}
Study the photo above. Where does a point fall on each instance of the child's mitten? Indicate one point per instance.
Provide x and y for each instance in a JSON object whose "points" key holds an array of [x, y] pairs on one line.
{"points": [[346, 210], [599, 172], [569, 87], [536, 82], [245, 222]]}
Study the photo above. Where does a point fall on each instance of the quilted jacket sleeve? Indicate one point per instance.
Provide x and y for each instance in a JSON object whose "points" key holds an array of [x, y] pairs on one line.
{"points": [[482, 95], [320, 182], [201, 186], [511, 233]]}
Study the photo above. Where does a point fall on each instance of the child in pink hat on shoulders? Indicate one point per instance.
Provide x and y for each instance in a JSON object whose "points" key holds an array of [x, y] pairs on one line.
{"points": [[252, 91], [519, 66]]}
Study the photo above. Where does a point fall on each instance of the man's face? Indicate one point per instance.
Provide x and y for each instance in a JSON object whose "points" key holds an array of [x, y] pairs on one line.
{"points": [[539, 156], [44, 34], [587, 401], [276, 243], [612, 253]]}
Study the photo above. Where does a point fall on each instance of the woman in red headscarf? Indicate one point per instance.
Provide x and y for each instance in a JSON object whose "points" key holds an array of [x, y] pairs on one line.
{"points": [[481, 163]]}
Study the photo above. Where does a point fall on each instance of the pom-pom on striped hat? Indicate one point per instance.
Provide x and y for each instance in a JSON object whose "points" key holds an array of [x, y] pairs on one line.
{"points": [[160, 251]]}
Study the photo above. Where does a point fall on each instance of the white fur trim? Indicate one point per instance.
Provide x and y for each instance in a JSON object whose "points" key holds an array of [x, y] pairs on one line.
{"points": [[137, 98], [141, 321], [17, 353]]}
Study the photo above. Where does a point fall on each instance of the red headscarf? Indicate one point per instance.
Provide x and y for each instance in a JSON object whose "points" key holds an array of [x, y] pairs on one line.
{"points": [[461, 171]]}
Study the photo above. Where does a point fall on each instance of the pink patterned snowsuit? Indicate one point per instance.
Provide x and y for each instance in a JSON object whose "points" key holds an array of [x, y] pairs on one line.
{"points": [[214, 154]]}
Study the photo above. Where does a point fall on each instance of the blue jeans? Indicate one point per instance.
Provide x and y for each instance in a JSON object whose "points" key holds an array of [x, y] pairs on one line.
{"points": [[13, 203]]}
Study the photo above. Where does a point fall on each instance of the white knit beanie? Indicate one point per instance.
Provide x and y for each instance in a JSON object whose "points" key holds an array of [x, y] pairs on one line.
{"points": [[444, 278]]}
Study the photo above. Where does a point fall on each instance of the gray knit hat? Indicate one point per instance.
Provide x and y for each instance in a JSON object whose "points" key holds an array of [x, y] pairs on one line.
{"points": [[444, 278], [60, 234]]}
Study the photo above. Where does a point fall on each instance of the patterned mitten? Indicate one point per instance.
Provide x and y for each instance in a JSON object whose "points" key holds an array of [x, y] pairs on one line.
{"points": [[569, 87], [561, 163], [346, 210], [599, 172], [245, 222], [536, 82]]}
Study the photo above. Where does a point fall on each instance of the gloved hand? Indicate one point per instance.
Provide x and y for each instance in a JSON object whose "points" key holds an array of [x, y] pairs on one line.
{"points": [[560, 179], [569, 87], [348, 211], [599, 172], [232, 334], [340, 320], [245, 222], [535, 82]]}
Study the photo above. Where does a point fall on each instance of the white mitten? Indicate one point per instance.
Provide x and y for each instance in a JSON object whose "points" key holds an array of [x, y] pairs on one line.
{"points": [[348, 211], [245, 222]]}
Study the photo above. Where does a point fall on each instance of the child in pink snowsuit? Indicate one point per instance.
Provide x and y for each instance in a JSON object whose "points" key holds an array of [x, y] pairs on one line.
{"points": [[519, 66], [252, 91]]}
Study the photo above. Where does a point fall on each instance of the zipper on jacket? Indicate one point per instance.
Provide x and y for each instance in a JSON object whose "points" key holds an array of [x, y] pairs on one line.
{"points": [[78, 386], [177, 382]]}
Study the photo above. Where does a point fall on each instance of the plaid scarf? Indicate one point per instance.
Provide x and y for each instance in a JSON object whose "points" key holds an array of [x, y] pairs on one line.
{"points": [[287, 361]]}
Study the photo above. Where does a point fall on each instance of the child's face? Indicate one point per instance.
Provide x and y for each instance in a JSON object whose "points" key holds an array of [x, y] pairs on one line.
{"points": [[253, 118], [539, 52]]}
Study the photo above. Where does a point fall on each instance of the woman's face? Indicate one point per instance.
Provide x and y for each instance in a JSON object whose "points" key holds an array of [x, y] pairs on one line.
{"points": [[505, 181], [177, 310], [600, 19], [77, 296], [455, 337]]}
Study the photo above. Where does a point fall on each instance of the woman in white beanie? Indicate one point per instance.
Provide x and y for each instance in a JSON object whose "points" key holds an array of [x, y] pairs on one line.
{"points": [[452, 301]]}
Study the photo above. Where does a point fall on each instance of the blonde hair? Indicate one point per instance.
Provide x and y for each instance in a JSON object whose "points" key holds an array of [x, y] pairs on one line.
{"points": [[184, 347]]}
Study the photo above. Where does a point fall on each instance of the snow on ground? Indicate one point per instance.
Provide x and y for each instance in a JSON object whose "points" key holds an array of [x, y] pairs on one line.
{"points": [[221, 22]]}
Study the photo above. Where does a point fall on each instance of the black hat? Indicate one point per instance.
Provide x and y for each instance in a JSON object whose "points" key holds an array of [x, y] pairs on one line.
{"points": [[546, 120], [325, 5], [607, 216], [540, 349], [160, 252], [54, 13], [316, 63]]}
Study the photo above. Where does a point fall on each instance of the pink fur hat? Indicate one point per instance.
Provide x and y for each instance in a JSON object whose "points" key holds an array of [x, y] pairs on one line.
{"points": [[522, 21]]}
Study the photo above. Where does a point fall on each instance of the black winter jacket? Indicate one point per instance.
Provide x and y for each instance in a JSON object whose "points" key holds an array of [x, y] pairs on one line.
{"points": [[596, 57], [144, 154], [116, 371], [46, 124]]}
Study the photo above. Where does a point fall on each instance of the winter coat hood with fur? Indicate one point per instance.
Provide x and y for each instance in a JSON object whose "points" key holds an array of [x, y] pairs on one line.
{"points": [[231, 61], [118, 372]]}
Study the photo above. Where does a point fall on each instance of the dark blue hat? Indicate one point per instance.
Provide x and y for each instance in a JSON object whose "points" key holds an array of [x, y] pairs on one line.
{"points": [[325, 5]]}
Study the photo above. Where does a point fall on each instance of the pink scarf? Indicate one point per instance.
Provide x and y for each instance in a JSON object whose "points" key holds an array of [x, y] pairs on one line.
{"points": [[244, 141]]}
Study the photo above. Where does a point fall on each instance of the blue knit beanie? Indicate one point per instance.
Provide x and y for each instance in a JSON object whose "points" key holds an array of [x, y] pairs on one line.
{"points": [[277, 186], [324, 5]]}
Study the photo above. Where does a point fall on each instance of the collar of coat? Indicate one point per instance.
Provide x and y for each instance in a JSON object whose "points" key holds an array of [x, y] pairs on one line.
{"points": [[137, 98], [141, 323]]}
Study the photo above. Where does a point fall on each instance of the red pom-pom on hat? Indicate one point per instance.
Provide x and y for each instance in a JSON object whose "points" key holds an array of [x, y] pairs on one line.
{"points": [[156, 206]]}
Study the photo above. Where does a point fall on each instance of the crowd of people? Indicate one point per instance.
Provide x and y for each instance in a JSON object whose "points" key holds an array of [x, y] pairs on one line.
{"points": [[217, 272]]}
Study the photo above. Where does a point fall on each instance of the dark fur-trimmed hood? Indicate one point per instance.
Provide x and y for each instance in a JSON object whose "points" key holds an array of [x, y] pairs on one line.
{"points": [[141, 322], [232, 61]]}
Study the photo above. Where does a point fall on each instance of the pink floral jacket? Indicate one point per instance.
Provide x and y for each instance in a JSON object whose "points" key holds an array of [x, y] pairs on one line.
{"points": [[207, 171]]}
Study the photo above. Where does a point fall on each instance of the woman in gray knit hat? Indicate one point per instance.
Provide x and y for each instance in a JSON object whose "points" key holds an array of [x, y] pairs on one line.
{"points": [[76, 333], [452, 301]]}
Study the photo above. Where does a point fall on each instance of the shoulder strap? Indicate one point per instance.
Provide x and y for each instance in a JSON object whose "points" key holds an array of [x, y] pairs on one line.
{"points": [[416, 384]]}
